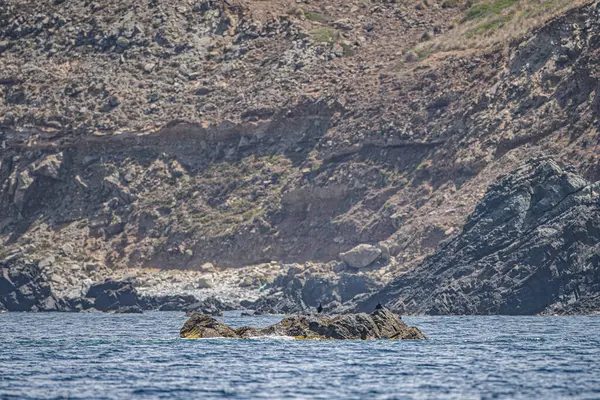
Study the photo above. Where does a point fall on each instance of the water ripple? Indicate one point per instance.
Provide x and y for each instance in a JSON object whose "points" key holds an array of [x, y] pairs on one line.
{"points": [[99, 356]]}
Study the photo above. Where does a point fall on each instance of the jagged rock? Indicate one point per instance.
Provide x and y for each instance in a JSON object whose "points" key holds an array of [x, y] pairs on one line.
{"points": [[532, 245], [111, 295], [23, 288], [148, 67], [122, 42], [209, 306], [361, 256], [49, 166], [47, 262], [276, 303], [67, 249], [167, 303], [291, 294], [81, 304], [91, 267], [381, 324]]}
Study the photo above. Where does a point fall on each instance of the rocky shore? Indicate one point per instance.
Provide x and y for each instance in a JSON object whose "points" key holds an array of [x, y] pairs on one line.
{"points": [[276, 155], [24, 287], [381, 324], [531, 246]]}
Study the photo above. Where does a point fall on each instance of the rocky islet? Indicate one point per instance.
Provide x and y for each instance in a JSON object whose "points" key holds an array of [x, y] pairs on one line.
{"points": [[380, 324]]}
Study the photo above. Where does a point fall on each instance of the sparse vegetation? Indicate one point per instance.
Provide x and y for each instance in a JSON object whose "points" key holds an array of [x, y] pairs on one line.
{"points": [[490, 26], [483, 10], [491, 22], [323, 35], [314, 16]]}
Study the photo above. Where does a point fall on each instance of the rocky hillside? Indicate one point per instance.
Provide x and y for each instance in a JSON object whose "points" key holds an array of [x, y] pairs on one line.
{"points": [[155, 134], [532, 245]]}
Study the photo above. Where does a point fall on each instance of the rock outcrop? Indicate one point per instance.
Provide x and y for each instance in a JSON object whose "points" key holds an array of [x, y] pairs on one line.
{"points": [[112, 295], [296, 293], [531, 246], [24, 288], [381, 324], [122, 297]]}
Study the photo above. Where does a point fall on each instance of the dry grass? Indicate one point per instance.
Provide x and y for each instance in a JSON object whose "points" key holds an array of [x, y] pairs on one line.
{"points": [[488, 23]]}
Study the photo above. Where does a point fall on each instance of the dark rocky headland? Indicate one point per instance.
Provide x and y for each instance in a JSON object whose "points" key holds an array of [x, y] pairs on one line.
{"points": [[439, 157], [381, 324], [531, 246]]}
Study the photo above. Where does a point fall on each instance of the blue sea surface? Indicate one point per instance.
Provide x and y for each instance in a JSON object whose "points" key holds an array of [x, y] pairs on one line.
{"points": [[103, 356]]}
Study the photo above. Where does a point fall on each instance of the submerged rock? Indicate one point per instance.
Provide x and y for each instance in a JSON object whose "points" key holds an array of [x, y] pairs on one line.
{"points": [[381, 324]]}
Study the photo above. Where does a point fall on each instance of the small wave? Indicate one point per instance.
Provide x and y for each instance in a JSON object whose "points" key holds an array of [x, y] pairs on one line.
{"points": [[273, 337], [270, 337]]}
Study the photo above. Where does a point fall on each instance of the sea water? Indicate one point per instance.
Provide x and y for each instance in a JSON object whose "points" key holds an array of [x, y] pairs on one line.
{"points": [[104, 356]]}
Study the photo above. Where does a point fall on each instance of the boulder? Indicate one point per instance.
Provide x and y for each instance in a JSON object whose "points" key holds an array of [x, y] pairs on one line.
{"points": [[205, 283], [277, 303], [361, 256], [381, 324]]}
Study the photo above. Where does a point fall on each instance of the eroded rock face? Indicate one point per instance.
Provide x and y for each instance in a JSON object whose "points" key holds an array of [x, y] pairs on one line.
{"points": [[381, 324], [531, 246], [24, 288]]}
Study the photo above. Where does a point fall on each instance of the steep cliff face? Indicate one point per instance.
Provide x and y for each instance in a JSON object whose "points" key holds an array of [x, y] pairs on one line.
{"points": [[147, 134], [532, 245]]}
